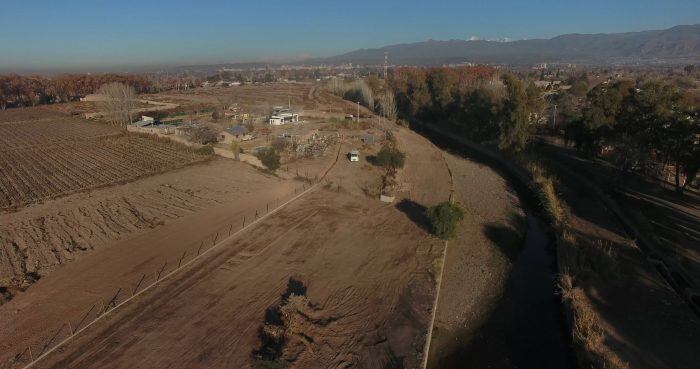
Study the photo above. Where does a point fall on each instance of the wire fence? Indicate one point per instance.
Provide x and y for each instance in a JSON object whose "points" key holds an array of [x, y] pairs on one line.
{"points": [[71, 327]]}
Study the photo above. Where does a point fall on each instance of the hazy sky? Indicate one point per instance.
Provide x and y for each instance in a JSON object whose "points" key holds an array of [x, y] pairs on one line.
{"points": [[66, 34]]}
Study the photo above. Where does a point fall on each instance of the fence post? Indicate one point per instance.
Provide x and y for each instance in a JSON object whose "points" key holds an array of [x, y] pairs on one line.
{"points": [[52, 339], [200, 247], [114, 298], [229, 229], [256, 213], [161, 271], [243, 221], [181, 257], [133, 292], [215, 238], [85, 317]]}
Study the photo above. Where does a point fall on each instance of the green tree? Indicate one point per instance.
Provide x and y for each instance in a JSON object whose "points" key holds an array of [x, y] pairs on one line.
{"points": [[269, 158], [236, 149], [443, 219], [390, 157], [515, 128], [440, 84], [481, 113]]}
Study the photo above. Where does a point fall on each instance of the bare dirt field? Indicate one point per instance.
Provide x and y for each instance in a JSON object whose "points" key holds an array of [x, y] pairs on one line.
{"points": [[369, 269], [39, 237], [366, 267], [248, 96]]}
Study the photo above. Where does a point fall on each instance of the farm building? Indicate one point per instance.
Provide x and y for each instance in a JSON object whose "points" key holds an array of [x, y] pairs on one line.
{"points": [[281, 115], [234, 133]]}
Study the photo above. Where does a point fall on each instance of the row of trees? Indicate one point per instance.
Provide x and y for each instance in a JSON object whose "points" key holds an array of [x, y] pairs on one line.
{"points": [[474, 101], [645, 125], [18, 91]]}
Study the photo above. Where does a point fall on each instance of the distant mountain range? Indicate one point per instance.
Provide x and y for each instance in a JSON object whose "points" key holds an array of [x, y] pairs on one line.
{"points": [[677, 45]]}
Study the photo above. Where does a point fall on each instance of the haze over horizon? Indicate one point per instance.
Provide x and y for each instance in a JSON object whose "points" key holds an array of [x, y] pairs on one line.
{"points": [[128, 35]]}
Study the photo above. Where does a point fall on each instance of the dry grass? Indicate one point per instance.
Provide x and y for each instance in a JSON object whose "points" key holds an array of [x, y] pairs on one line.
{"points": [[580, 261]]}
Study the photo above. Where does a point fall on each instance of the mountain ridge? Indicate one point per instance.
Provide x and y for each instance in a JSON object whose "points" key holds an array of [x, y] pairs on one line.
{"points": [[678, 44]]}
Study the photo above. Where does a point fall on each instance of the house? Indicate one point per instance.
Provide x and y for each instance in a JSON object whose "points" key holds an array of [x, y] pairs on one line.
{"points": [[281, 115], [234, 133]]}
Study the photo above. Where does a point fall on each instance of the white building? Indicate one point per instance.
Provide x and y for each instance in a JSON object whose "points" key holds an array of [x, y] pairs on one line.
{"points": [[282, 115]]}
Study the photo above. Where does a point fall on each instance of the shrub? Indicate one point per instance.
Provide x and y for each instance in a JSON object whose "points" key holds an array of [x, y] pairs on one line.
{"points": [[205, 150], [390, 157], [443, 219], [280, 144], [217, 114], [268, 364], [236, 149], [269, 158], [203, 135]]}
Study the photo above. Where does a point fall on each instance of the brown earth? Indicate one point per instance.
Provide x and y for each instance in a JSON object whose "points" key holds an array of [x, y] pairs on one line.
{"points": [[369, 269], [39, 237], [478, 260], [365, 266]]}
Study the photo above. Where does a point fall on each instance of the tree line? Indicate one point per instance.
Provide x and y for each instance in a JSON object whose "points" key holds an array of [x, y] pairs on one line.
{"points": [[477, 102], [19, 91], [645, 125]]}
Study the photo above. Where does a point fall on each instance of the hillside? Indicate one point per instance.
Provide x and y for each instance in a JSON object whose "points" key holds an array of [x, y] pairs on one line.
{"points": [[680, 44]]}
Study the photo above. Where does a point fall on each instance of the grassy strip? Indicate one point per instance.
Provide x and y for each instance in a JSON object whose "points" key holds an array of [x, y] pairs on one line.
{"points": [[578, 262]]}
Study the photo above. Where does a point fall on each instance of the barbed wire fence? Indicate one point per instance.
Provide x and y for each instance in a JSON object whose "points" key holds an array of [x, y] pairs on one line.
{"points": [[70, 328]]}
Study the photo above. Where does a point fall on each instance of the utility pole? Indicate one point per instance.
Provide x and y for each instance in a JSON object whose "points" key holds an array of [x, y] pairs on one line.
{"points": [[554, 117], [358, 111], [386, 65]]}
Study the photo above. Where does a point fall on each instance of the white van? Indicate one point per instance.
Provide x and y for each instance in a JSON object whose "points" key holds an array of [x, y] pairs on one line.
{"points": [[354, 155]]}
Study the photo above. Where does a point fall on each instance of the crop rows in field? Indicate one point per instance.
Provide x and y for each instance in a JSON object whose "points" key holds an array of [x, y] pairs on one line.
{"points": [[33, 174], [48, 131]]}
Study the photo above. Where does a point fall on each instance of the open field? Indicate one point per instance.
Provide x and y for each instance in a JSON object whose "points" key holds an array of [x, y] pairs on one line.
{"points": [[249, 96], [326, 240], [46, 155], [370, 268], [214, 310]]}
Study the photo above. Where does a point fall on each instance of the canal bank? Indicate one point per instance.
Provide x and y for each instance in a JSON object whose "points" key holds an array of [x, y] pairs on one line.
{"points": [[502, 310]]}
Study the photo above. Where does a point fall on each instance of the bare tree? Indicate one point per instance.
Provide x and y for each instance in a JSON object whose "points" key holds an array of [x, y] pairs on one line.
{"points": [[388, 104], [226, 101], [118, 102]]}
